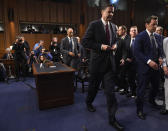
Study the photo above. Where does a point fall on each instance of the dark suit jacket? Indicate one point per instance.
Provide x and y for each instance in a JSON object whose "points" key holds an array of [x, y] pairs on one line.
{"points": [[19, 54], [143, 50], [128, 49], [93, 39], [121, 50], [65, 47]]}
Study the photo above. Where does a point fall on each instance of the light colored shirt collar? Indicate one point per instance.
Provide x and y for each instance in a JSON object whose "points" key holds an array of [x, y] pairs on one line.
{"points": [[123, 37], [149, 33], [69, 37], [132, 38], [104, 22]]}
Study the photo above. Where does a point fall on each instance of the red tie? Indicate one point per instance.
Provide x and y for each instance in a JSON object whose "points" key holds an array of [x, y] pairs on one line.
{"points": [[107, 34]]}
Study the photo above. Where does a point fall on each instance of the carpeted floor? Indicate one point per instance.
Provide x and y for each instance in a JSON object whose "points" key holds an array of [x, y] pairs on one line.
{"points": [[19, 112]]}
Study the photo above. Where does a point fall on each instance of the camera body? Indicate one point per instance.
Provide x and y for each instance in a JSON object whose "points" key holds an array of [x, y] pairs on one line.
{"points": [[20, 41]]}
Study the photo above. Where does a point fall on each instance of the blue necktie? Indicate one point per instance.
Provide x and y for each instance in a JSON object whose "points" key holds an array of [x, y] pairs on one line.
{"points": [[70, 44], [154, 47], [132, 46]]}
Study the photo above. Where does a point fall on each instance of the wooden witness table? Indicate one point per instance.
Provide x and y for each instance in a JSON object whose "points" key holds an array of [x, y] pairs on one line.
{"points": [[54, 85]]}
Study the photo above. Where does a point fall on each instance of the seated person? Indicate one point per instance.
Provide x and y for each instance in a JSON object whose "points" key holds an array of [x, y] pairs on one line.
{"points": [[38, 47], [8, 55], [44, 62], [46, 54], [32, 59], [3, 75]]}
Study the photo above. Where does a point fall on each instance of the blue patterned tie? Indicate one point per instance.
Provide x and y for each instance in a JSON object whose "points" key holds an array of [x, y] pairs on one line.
{"points": [[70, 44], [154, 47], [132, 46]]}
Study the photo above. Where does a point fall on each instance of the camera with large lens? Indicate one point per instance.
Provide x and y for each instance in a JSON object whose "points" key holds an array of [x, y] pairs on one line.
{"points": [[19, 41]]}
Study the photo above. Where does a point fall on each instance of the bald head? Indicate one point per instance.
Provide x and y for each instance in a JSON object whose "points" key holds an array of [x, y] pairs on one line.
{"points": [[70, 32]]}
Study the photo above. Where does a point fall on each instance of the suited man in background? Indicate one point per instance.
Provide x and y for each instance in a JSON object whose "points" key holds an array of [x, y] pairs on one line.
{"points": [[69, 49], [120, 56], [148, 57], [130, 63], [100, 37]]}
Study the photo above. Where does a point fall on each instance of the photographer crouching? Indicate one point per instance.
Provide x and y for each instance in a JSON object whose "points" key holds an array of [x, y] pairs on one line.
{"points": [[20, 59]]}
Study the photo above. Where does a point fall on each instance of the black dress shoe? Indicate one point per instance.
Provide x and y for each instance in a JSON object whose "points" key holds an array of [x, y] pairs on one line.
{"points": [[90, 108], [164, 112], [141, 115], [116, 125]]}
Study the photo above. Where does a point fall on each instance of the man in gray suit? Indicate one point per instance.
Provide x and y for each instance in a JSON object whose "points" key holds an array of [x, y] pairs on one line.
{"points": [[69, 49], [165, 68]]}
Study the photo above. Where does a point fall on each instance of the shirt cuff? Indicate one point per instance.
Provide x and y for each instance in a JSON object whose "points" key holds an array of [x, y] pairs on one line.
{"points": [[101, 47], [149, 61]]}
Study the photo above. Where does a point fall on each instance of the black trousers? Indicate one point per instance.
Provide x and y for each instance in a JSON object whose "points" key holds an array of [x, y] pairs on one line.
{"points": [[120, 78], [20, 66], [152, 76], [131, 76], [108, 79]]}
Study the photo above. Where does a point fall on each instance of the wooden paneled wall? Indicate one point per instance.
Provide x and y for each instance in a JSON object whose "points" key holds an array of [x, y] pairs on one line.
{"points": [[1, 10], [47, 11]]}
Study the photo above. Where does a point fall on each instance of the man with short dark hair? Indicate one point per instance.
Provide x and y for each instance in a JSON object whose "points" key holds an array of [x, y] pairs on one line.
{"points": [[120, 56], [148, 57], [130, 63], [100, 37]]}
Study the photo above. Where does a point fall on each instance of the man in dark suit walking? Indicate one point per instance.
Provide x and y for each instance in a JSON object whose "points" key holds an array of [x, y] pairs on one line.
{"points": [[148, 57], [100, 37], [69, 49]]}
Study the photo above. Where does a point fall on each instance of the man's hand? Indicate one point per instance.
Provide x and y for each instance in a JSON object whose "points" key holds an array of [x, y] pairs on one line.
{"points": [[105, 47], [160, 61], [114, 47], [79, 55], [165, 69], [153, 65], [129, 60], [122, 62], [71, 54]]}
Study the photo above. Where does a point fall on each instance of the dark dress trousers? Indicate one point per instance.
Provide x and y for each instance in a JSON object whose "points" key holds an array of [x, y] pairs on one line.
{"points": [[120, 70], [20, 59], [102, 64], [144, 51], [65, 48]]}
